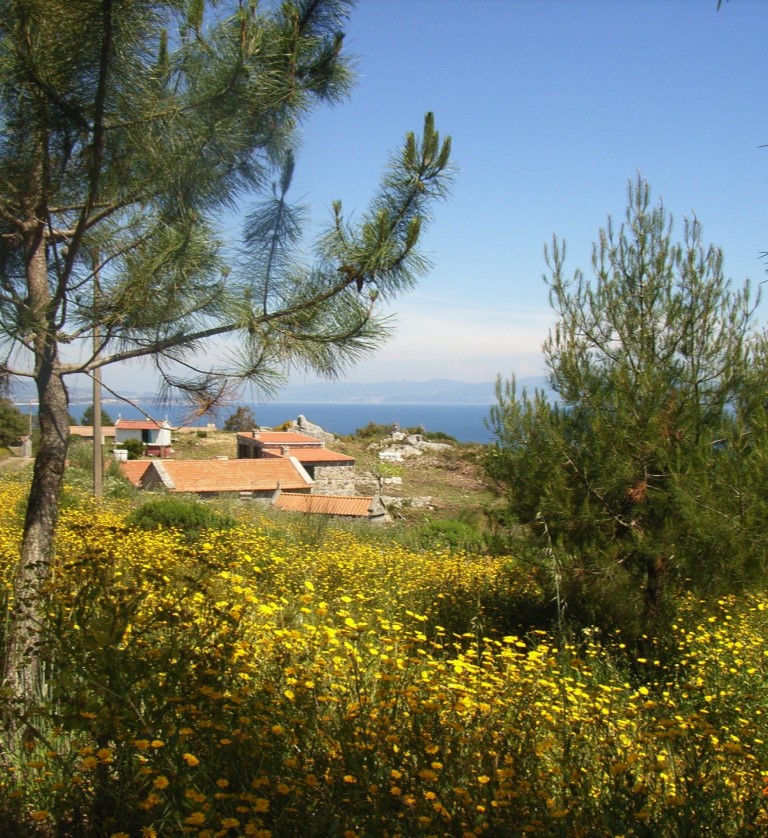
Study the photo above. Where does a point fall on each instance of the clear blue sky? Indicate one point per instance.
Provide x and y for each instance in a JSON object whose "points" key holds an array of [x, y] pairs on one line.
{"points": [[553, 106]]}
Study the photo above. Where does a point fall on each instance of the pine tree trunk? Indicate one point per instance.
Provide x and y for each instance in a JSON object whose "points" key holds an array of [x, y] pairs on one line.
{"points": [[24, 654], [23, 675], [653, 595]]}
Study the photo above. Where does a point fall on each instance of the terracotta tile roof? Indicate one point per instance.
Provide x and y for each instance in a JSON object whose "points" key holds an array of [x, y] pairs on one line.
{"points": [[86, 431], [273, 438], [233, 475], [351, 506], [139, 425], [313, 455], [133, 470]]}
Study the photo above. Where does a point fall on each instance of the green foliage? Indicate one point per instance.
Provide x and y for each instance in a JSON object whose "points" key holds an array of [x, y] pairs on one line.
{"points": [[242, 419], [13, 423], [644, 477], [128, 129], [449, 533], [87, 418], [430, 436], [80, 476], [373, 430], [116, 486], [189, 516], [135, 448], [384, 469]]}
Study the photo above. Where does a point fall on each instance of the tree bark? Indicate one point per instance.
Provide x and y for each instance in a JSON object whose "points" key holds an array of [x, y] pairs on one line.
{"points": [[23, 671], [653, 594]]}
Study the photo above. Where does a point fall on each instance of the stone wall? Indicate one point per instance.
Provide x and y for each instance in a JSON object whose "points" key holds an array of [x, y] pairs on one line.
{"points": [[334, 480]]}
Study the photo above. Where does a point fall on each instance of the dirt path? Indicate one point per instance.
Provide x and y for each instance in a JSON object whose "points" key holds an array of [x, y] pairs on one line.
{"points": [[15, 463]]}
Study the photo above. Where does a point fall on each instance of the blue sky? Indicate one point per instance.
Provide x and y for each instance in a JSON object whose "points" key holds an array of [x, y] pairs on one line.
{"points": [[553, 106]]}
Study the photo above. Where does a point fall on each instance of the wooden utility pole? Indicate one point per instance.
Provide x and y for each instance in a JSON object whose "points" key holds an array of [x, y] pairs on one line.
{"points": [[98, 434]]}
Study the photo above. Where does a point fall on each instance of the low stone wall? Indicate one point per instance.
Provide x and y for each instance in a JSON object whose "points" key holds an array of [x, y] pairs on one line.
{"points": [[334, 480]]}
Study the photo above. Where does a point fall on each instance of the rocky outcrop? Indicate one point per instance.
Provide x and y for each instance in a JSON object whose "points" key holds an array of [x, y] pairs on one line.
{"points": [[397, 446], [302, 425]]}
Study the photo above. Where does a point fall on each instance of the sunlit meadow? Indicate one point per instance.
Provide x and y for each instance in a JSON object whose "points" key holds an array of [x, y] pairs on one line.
{"points": [[253, 683]]}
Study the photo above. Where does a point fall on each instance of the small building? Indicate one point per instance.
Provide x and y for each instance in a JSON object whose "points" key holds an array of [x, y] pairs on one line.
{"points": [[341, 506], [208, 478], [86, 432], [332, 472], [156, 436]]}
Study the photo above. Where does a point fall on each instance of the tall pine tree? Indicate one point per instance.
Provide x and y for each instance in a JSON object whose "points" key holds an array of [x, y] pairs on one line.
{"points": [[127, 128], [629, 476]]}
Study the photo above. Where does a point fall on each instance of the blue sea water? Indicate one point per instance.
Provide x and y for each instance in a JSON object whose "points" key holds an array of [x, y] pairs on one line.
{"points": [[464, 422]]}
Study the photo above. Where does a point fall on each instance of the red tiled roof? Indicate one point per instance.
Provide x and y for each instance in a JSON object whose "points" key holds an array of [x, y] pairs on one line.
{"points": [[86, 431], [139, 425], [312, 455], [281, 438], [133, 470], [351, 506], [233, 475]]}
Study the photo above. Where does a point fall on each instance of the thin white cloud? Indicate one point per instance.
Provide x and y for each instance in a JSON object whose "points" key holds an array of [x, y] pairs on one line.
{"points": [[466, 345]]}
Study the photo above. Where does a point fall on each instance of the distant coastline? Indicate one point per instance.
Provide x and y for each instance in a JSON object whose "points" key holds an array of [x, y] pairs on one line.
{"points": [[460, 409], [464, 422]]}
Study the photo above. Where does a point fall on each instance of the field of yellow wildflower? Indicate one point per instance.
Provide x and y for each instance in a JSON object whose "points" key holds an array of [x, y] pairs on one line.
{"points": [[248, 683]]}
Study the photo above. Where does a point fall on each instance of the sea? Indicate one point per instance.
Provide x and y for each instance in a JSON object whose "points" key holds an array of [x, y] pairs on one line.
{"points": [[464, 422]]}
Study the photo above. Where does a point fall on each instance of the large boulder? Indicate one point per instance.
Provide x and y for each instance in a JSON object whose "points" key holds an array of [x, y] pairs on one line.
{"points": [[302, 425], [398, 445]]}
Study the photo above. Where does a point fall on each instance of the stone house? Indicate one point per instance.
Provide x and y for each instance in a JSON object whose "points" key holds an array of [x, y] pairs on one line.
{"points": [[333, 473]]}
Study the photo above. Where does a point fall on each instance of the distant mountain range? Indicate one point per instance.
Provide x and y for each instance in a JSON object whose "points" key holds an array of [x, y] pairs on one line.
{"points": [[434, 391]]}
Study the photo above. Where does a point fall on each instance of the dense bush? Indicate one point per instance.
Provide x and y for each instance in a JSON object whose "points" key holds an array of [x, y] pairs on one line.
{"points": [[449, 533], [373, 431], [13, 423], [188, 516], [241, 419], [430, 436], [135, 448]]}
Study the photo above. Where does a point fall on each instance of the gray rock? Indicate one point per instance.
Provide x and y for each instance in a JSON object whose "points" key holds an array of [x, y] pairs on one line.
{"points": [[302, 425]]}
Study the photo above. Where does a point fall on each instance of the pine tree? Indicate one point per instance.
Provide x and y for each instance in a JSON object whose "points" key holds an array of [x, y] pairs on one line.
{"points": [[242, 419], [88, 414], [637, 456], [127, 129]]}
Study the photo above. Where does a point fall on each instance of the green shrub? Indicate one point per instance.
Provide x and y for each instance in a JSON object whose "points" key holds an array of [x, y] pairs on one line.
{"points": [[372, 431], [189, 516], [430, 436], [449, 533], [135, 448]]}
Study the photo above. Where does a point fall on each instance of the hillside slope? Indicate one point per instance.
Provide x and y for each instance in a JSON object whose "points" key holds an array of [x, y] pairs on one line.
{"points": [[442, 483]]}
